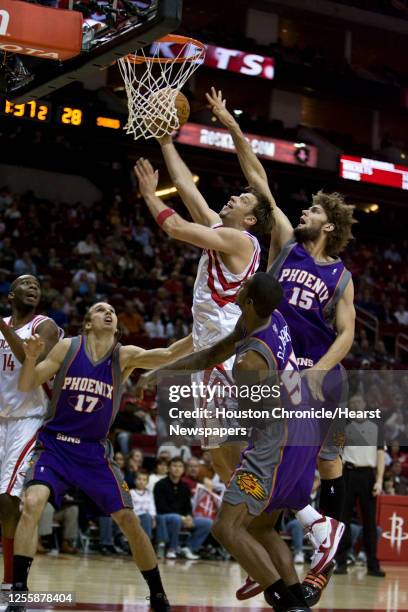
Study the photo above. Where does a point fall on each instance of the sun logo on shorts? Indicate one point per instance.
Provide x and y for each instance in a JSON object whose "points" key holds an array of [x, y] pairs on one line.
{"points": [[249, 484]]}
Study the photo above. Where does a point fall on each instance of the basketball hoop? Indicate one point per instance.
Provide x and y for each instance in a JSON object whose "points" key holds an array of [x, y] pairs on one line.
{"points": [[152, 83]]}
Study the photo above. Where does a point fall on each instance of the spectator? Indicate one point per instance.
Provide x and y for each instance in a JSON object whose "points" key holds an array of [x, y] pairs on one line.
{"points": [[4, 283], [25, 265], [174, 448], [389, 488], [67, 516], [192, 476], [155, 327], [161, 471], [401, 314], [87, 246], [134, 463], [399, 481], [174, 512], [391, 254], [57, 314], [143, 502], [120, 460], [130, 320]]}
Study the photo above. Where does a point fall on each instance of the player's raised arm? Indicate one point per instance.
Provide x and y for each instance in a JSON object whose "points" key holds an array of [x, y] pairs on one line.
{"points": [[224, 239], [187, 189], [48, 332], [253, 170], [34, 374], [132, 357], [196, 362]]}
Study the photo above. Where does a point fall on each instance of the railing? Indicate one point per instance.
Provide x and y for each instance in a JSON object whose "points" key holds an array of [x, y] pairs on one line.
{"points": [[401, 346], [369, 321]]}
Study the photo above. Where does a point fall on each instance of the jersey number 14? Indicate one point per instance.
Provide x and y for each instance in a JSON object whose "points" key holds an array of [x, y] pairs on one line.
{"points": [[8, 363]]}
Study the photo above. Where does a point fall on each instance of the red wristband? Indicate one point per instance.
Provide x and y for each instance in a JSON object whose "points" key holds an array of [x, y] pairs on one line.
{"points": [[165, 214]]}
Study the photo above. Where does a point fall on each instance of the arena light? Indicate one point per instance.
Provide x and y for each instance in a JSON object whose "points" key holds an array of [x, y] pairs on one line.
{"points": [[167, 191]]}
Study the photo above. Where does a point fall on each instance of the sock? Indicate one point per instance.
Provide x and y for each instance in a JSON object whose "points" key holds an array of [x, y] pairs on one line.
{"points": [[332, 494], [21, 567], [297, 591], [153, 580], [308, 516], [8, 544], [279, 596]]}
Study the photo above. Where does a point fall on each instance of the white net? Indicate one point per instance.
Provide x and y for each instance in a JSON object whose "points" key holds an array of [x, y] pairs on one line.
{"points": [[152, 83]]}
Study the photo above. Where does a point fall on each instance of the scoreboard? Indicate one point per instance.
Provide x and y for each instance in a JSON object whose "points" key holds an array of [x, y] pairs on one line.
{"points": [[373, 171], [44, 111]]}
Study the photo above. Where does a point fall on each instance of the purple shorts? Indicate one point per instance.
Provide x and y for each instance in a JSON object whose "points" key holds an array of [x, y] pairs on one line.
{"points": [[61, 464]]}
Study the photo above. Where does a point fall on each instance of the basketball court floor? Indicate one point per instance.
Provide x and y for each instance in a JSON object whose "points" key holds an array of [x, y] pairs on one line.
{"points": [[114, 585]]}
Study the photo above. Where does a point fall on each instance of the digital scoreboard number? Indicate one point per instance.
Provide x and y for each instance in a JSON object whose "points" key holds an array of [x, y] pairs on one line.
{"points": [[70, 116], [34, 110]]}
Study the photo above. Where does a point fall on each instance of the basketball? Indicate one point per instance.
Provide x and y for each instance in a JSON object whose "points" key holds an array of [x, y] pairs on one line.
{"points": [[160, 118], [183, 108]]}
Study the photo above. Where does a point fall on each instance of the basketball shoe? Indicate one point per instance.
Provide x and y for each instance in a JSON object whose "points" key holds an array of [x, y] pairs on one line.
{"points": [[159, 603], [324, 535], [314, 584]]}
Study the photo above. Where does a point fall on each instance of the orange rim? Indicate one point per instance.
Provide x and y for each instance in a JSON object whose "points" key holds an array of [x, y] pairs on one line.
{"points": [[170, 38]]}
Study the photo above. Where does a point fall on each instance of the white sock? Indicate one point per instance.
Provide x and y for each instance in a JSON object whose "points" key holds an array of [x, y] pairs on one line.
{"points": [[308, 516]]}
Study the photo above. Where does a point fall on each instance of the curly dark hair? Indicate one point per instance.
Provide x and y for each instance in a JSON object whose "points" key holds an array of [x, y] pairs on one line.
{"points": [[341, 215], [263, 212]]}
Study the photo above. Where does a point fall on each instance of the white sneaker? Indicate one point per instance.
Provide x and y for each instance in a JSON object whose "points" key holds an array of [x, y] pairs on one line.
{"points": [[171, 554], [325, 535], [299, 558], [5, 586], [187, 553]]}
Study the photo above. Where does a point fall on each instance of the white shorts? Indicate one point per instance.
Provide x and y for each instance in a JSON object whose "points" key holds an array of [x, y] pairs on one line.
{"points": [[219, 376], [17, 440]]}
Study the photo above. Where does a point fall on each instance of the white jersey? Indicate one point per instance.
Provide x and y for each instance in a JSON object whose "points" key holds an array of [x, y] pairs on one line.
{"points": [[14, 403], [215, 312]]}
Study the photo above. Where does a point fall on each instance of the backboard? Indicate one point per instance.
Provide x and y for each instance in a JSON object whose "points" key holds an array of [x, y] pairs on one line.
{"points": [[110, 30]]}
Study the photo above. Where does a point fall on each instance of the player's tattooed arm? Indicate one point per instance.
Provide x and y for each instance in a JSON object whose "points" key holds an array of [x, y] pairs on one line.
{"points": [[201, 360], [132, 357], [183, 180], [34, 374]]}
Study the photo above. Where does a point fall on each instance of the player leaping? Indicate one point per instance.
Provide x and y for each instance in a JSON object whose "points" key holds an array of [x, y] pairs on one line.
{"points": [[231, 255], [317, 304], [21, 414]]}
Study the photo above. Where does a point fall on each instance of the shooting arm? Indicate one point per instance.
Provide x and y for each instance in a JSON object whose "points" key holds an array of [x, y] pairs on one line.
{"points": [[33, 375], [254, 172], [345, 323], [184, 183]]}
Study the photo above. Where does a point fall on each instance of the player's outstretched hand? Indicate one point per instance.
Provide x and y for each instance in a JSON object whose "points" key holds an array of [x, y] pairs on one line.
{"points": [[147, 176], [315, 382], [146, 381], [219, 108], [33, 347]]}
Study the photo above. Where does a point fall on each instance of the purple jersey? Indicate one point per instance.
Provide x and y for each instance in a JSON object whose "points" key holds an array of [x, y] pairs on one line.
{"points": [[311, 292], [274, 343], [85, 396], [277, 467]]}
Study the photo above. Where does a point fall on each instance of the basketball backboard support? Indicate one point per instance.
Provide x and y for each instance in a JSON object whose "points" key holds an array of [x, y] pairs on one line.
{"points": [[139, 28]]}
